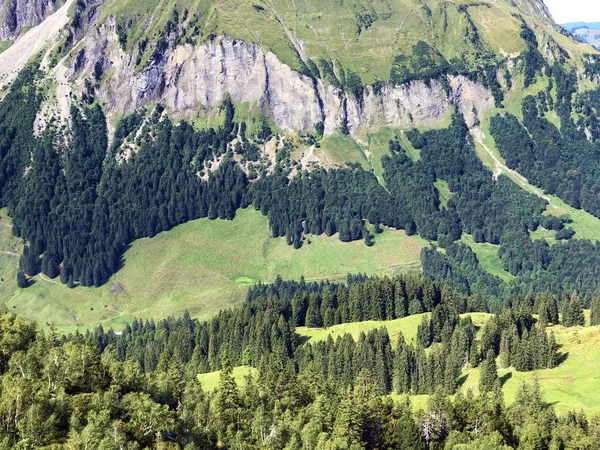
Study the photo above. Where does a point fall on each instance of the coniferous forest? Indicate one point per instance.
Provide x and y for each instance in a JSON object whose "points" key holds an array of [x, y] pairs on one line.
{"points": [[78, 210], [140, 388]]}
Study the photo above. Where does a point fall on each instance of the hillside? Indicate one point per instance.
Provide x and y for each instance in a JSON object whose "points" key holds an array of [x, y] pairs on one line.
{"points": [[298, 224], [569, 387], [195, 267], [151, 118], [373, 386]]}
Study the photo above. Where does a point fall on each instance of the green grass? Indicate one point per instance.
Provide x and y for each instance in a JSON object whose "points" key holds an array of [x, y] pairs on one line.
{"points": [[444, 191], [542, 233], [487, 255], [8, 262], [202, 266], [297, 31], [338, 149], [573, 385], [210, 381], [5, 45], [407, 326]]}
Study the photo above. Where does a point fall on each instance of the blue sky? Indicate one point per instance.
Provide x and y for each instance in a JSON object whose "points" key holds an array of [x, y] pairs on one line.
{"points": [[565, 11]]}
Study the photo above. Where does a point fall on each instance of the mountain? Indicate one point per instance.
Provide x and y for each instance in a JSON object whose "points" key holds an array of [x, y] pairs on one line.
{"points": [[356, 119], [586, 32], [423, 173], [154, 52], [17, 16], [575, 25]]}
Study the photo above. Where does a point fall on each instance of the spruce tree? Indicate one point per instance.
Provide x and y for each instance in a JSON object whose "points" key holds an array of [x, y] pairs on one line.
{"points": [[22, 281], [552, 309], [595, 311], [488, 373], [424, 332], [576, 310], [505, 349], [543, 318], [402, 365]]}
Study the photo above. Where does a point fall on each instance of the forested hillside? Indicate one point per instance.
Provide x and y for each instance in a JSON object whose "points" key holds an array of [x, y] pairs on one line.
{"points": [[141, 388]]}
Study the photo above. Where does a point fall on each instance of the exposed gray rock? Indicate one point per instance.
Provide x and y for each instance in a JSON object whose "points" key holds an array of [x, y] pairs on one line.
{"points": [[190, 78], [19, 15]]}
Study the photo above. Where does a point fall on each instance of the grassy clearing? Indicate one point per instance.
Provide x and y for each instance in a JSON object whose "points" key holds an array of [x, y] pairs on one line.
{"points": [[573, 385], [9, 247], [407, 326], [487, 254], [210, 381], [338, 149], [202, 266], [444, 191]]}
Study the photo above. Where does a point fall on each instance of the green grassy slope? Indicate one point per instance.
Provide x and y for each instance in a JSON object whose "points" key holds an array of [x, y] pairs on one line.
{"points": [[202, 266], [407, 326], [362, 36]]}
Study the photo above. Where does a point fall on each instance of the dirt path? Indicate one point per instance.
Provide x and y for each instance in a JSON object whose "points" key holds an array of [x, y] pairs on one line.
{"points": [[36, 39], [500, 168], [8, 253], [45, 278]]}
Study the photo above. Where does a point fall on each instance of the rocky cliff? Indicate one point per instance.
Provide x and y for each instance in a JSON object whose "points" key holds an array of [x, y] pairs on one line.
{"points": [[190, 78], [17, 16]]}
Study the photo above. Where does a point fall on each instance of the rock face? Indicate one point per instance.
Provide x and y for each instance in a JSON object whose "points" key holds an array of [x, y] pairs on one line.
{"points": [[190, 78], [18, 15]]}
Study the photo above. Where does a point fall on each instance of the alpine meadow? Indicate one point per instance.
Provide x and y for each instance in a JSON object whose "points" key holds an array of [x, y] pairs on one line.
{"points": [[298, 224]]}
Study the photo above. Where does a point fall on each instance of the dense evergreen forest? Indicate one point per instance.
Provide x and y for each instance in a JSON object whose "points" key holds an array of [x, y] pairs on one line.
{"points": [[79, 205], [140, 389], [561, 161]]}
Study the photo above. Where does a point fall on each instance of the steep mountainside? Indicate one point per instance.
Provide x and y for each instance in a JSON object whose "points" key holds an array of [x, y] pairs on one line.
{"points": [[473, 124]]}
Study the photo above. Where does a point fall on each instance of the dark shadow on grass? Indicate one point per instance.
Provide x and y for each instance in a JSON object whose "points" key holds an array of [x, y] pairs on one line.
{"points": [[504, 378], [561, 358], [461, 381], [302, 339]]}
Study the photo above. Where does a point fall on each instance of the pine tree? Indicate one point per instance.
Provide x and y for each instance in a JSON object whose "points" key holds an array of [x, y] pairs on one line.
{"points": [[552, 348], [505, 349], [576, 310], [400, 302], [22, 281], [488, 373], [543, 318], [595, 311], [552, 306], [424, 332], [327, 307], [227, 402], [402, 365]]}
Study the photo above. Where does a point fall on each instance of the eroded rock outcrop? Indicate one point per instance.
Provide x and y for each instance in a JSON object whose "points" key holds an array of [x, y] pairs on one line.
{"points": [[190, 78], [19, 15]]}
